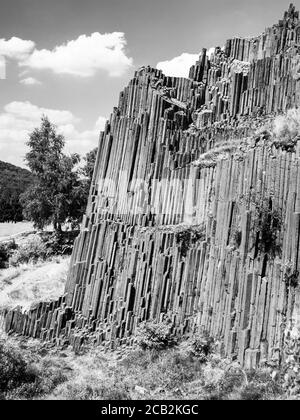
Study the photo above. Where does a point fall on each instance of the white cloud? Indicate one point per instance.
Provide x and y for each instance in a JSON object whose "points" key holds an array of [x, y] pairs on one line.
{"points": [[30, 81], [211, 51], [2, 68], [18, 119], [29, 112], [82, 141], [16, 48], [100, 123], [180, 66], [84, 56]]}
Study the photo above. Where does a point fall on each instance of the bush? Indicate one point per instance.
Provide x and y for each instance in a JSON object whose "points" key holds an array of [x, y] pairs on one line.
{"points": [[155, 336], [37, 248], [6, 250], [261, 386], [231, 381], [59, 243], [292, 278], [13, 369], [31, 251], [21, 379], [188, 237], [238, 384], [268, 222], [40, 380], [201, 346], [252, 392]]}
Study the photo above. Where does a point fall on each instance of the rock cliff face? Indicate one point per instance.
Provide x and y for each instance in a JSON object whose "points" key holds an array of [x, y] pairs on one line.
{"points": [[194, 210]]}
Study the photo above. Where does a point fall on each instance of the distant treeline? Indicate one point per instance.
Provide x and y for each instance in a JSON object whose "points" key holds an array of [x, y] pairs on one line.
{"points": [[13, 182]]}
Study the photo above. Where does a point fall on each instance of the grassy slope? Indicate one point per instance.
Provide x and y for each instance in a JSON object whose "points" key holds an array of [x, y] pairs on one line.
{"points": [[28, 283]]}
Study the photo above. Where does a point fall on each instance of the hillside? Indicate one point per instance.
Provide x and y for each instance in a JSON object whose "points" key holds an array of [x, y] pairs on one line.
{"points": [[13, 182]]}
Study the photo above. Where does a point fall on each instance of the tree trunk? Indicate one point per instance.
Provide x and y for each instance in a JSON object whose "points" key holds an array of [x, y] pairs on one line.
{"points": [[57, 227]]}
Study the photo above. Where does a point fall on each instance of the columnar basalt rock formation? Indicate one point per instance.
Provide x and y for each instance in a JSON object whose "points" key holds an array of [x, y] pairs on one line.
{"points": [[192, 215]]}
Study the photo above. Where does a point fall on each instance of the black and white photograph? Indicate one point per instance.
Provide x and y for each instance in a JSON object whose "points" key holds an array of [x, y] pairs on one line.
{"points": [[149, 203]]}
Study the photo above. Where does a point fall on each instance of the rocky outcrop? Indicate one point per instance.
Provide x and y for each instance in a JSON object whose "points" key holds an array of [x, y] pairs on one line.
{"points": [[191, 214]]}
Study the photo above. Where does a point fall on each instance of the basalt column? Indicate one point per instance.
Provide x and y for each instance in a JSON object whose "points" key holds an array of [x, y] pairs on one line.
{"points": [[184, 192]]}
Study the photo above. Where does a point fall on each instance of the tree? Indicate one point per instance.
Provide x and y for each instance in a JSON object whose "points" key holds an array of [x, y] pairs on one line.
{"points": [[90, 160], [86, 173], [57, 195], [88, 170]]}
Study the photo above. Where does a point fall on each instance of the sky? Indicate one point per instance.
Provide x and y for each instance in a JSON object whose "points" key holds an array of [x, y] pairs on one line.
{"points": [[69, 59]]}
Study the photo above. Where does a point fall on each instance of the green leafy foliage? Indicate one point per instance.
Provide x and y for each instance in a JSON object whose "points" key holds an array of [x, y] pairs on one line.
{"points": [[36, 248], [13, 182], [6, 250], [291, 278], [30, 251], [55, 191], [260, 386], [59, 243], [90, 160], [58, 195], [155, 335], [13, 368], [231, 380], [267, 225], [186, 238], [201, 346], [22, 378]]}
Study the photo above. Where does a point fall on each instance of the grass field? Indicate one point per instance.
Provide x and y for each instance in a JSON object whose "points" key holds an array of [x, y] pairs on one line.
{"points": [[10, 229]]}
